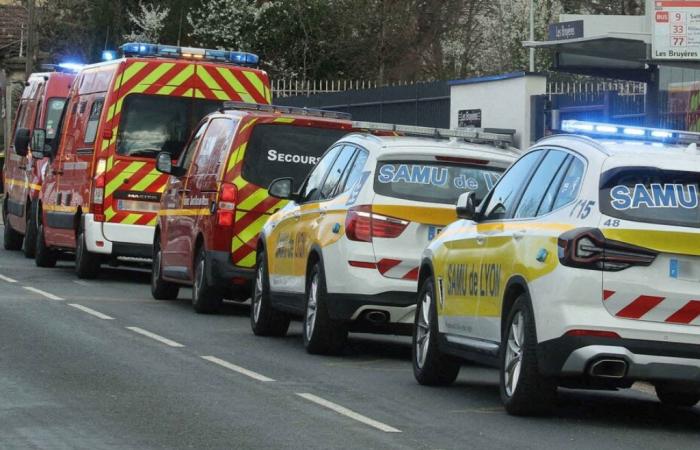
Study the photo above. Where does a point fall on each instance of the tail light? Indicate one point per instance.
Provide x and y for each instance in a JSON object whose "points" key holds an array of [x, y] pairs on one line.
{"points": [[227, 205], [361, 224], [587, 248], [98, 192]]}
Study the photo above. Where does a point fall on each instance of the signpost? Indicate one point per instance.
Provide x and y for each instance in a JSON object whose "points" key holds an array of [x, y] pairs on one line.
{"points": [[676, 30], [469, 118]]}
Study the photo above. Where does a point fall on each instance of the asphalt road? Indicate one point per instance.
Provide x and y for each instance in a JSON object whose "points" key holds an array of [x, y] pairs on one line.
{"points": [[100, 364]]}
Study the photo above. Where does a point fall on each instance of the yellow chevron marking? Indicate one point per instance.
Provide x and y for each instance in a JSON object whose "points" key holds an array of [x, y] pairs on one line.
{"points": [[233, 159], [183, 76], [235, 84], [166, 90], [268, 95], [248, 125], [109, 213], [283, 120], [247, 261], [152, 222], [131, 219], [279, 205], [110, 112], [132, 70], [256, 82], [253, 229], [221, 95], [118, 180], [187, 93], [240, 182], [198, 94], [236, 243], [204, 75], [157, 73], [146, 181], [253, 200]]}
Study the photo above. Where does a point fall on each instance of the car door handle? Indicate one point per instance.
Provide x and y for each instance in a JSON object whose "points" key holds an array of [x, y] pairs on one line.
{"points": [[519, 235], [480, 239]]}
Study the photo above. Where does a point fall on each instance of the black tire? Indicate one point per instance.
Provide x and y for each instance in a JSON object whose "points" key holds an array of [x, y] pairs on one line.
{"points": [[12, 240], [431, 367], [161, 289], [264, 319], [44, 256], [668, 395], [29, 244], [531, 393], [322, 335], [87, 264], [206, 299]]}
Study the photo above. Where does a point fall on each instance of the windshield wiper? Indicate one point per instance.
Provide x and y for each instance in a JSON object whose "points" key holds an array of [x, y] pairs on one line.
{"points": [[145, 152]]}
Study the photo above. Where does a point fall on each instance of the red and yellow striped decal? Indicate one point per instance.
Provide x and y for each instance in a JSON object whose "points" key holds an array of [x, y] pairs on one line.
{"points": [[172, 78]]}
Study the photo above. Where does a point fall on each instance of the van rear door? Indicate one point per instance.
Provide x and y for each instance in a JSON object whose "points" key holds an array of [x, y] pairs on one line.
{"points": [[654, 216]]}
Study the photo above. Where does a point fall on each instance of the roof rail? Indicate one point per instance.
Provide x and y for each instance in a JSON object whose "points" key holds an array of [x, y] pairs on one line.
{"points": [[231, 105], [498, 137]]}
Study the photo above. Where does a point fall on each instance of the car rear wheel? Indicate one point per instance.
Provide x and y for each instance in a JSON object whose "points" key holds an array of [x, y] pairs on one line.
{"points": [[264, 319], [161, 289], [44, 256], [206, 299], [29, 244], [12, 240], [524, 391], [322, 335], [87, 264], [668, 395], [431, 367]]}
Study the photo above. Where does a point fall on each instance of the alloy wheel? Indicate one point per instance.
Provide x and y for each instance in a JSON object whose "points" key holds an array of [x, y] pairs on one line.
{"points": [[423, 330], [311, 306], [514, 353], [257, 294]]}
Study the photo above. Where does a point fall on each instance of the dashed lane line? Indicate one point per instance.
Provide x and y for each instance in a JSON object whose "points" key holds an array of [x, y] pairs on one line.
{"points": [[91, 311], [239, 369], [348, 413], [155, 337], [7, 279], [48, 295]]}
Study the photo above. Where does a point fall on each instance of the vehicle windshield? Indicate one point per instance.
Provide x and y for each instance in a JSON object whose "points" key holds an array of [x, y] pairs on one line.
{"points": [[652, 195], [276, 151], [433, 182], [54, 109], [153, 123]]}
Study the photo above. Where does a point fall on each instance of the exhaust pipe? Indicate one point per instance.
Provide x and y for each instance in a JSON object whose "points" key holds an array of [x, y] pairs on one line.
{"points": [[608, 368], [377, 317]]}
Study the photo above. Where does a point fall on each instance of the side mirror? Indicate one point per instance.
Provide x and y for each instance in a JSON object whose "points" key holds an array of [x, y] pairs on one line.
{"points": [[38, 143], [282, 188], [466, 209], [22, 141], [164, 164]]}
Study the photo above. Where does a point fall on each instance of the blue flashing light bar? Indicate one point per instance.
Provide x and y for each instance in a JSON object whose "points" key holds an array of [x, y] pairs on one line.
{"points": [[70, 66], [109, 55], [171, 51], [611, 131]]}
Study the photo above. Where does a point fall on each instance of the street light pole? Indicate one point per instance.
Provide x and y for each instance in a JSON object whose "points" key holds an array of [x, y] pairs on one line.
{"points": [[532, 35]]}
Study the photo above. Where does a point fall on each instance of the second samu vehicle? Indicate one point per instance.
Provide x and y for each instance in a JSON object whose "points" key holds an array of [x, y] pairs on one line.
{"points": [[344, 254], [216, 200], [580, 269]]}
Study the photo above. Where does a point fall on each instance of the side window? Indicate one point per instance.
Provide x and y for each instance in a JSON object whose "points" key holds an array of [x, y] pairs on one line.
{"points": [[93, 120], [502, 199], [337, 171], [355, 173], [186, 156], [218, 131], [570, 185], [312, 186], [539, 183]]}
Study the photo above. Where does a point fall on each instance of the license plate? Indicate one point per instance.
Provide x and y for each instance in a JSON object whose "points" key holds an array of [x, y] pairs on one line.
{"points": [[433, 231], [684, 269]]}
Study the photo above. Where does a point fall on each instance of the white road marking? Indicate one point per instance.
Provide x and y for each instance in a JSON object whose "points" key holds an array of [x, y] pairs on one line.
{"points": [[239, 369], [154, 336], [48, 295], [349, 413], [82, 283], [91, 311], [8, 279]]}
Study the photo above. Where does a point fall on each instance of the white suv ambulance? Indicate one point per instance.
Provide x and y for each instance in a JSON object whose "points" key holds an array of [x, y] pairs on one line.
{"points": [[344, 253], [581, 268]]}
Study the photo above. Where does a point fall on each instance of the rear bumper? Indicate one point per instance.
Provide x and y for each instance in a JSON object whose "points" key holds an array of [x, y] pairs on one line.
{"points": [[137, 240], [570, 356], [221, 270], [399, 305]]}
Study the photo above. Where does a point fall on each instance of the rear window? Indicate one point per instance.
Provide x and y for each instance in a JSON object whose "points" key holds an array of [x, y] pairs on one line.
{"points": [[652, 195], [433, 182], [154, 123], [279, 150], [54, 109]]}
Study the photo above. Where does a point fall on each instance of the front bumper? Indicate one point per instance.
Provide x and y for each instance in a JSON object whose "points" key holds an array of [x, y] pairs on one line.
{"points": [[220, 270], [572, 356]]}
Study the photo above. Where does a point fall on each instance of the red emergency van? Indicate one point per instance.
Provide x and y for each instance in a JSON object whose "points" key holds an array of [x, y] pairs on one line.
{"points": [[216, 201], [101, 195], [40, 106]]}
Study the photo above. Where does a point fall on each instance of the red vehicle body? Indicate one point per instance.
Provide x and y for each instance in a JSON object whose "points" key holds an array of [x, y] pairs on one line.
{"points": [[101, 196], [40, 106], [216, 202]]}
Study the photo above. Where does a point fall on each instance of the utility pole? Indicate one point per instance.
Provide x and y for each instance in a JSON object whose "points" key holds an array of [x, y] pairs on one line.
{"points": [[31, 44], [532, 35]]}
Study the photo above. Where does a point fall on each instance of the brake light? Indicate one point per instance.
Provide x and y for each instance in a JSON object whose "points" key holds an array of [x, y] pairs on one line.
{"points": [[458, 160], [587, 248], [227, 205], [98, 192], [361, 224]]}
